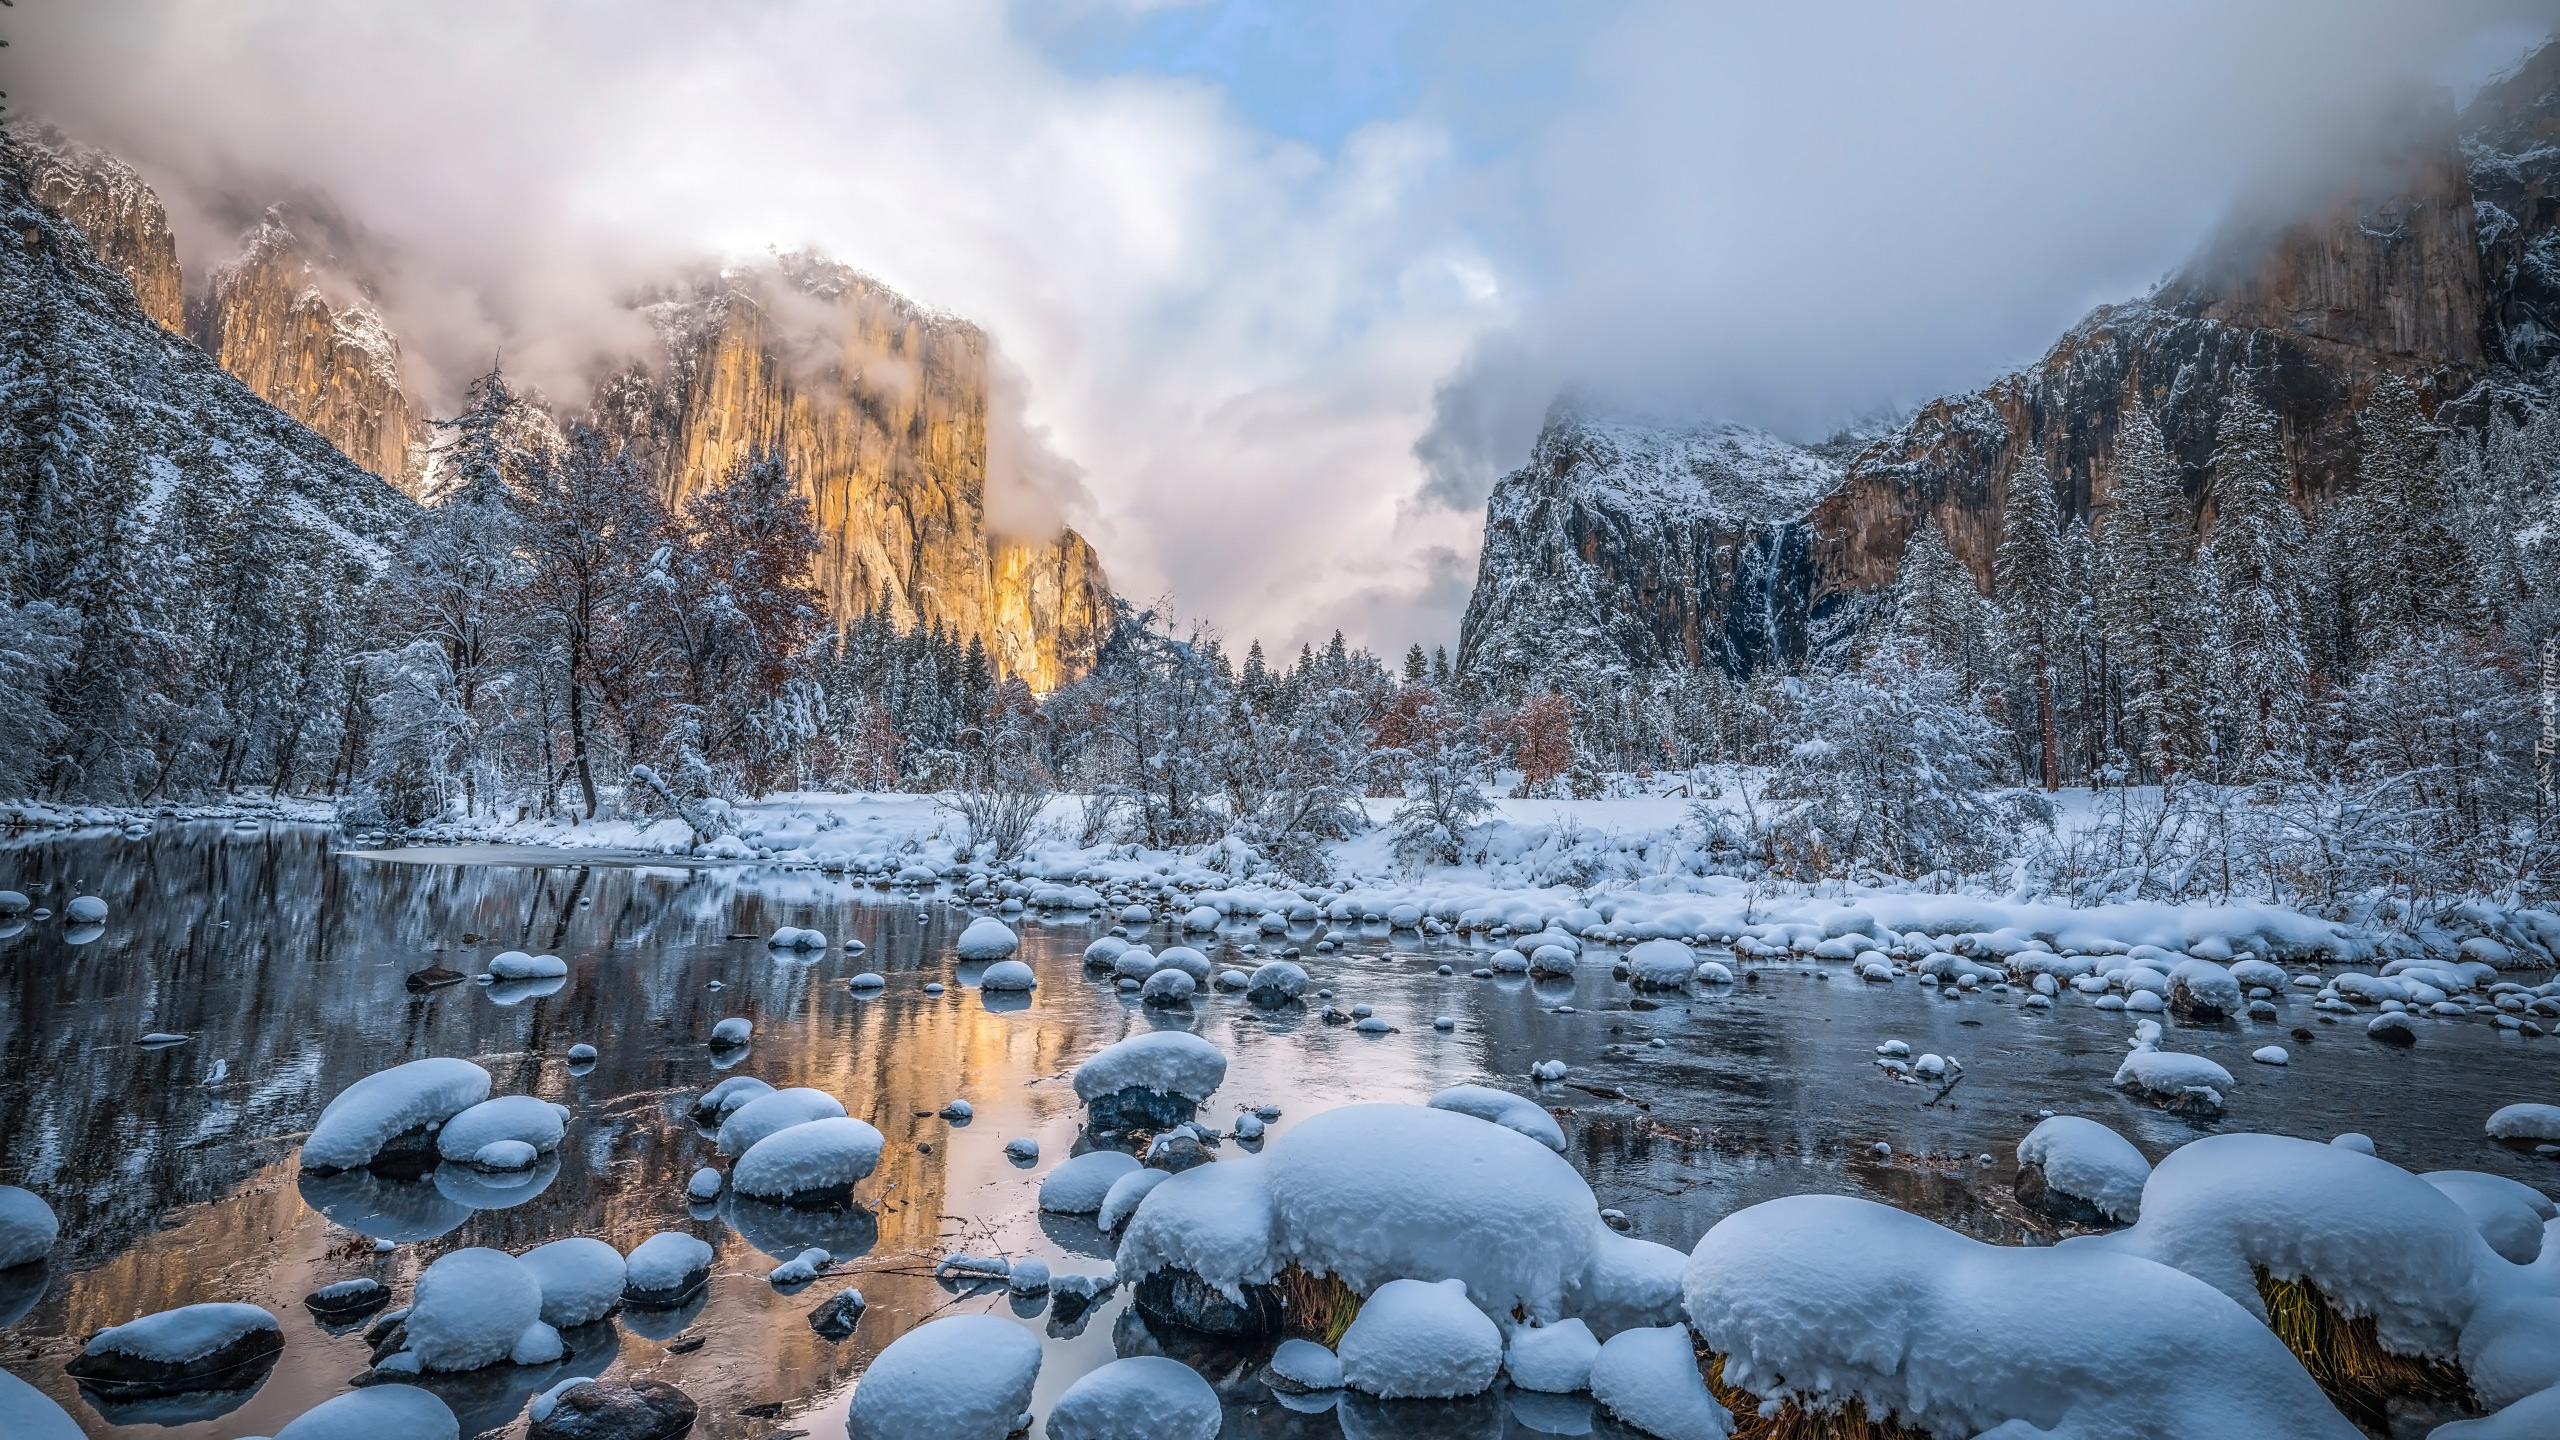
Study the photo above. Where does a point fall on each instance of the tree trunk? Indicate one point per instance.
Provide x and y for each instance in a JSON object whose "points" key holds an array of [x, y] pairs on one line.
{"points": [[2045, 729], [578, 729]]}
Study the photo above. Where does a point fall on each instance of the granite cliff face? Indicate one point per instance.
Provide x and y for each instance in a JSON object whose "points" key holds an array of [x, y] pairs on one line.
{"points": [[118, 213], [2440, 264], [269, 317], [881, 407]]}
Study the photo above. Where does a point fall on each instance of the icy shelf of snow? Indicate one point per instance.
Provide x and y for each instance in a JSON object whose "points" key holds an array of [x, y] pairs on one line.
{"points": [[28, 1228], [2085, 1159], [962, 1377], [581, 1280], [1420, 1339], [1079, 1186], [536, 1123], [474, 1308], [1555, 1359], [1168, 1062], [1826, 1299], [377, 1412], [1503, 1108], [386, 1105], [773, 1113], [818, 1159], [987, 938], [1649, 1378]]}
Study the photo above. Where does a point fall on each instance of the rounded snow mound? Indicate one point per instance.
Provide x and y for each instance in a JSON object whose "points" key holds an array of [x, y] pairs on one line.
{"points": [[1553, 1359], [1080, 1186], [817, 1162], [1512, 1112], [85, 910], [1661, 964], [473, 1308], [1185, 959], [1508, 961], [987, 938], [581, 1280], [1277, 982], [2509, 1214], [1824, 1298], [665, 1268], [2525, 1122], [1421, 1339], [1008, 975], [1146, 1397], [722, 1100], [1121, 1200], [1648, 1377], [1169, 1062], [962, 1377], [27, 1227], [377, 1412], [1375, 1193], [517, 965], [1201, 917], [385, 1106], [2087, 1161], [536, 1123], [2173, 1078], [772, 1113]]}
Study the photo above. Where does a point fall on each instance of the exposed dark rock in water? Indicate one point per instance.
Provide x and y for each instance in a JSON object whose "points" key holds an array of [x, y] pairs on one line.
{"points": [[1138, 1108], [617, 1410], [2036, 1191], [347, 1301], [836, 1316], [1182, 1299]]}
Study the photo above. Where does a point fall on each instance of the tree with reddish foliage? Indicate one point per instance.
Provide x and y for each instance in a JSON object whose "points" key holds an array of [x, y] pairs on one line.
{"points": [[738, 610], [1541, 742]]}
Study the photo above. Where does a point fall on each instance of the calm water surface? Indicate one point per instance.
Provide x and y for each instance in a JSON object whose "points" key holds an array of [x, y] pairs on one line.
{"points": [[284, 960]]}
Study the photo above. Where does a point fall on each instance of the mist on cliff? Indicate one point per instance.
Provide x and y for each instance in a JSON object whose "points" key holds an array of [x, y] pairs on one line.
{"points": [[1270, 317]]}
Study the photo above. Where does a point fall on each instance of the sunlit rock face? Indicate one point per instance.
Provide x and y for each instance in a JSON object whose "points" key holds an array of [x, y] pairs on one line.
{"points": [[2437, 261], [881, 407], [118, 213], [282, 318]]}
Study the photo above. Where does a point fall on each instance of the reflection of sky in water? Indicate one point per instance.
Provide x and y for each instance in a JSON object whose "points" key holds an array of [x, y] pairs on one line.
{"points": [[173, 1169]]}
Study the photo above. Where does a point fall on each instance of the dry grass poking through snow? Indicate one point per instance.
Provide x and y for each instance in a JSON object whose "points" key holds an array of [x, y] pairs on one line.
{"points": [[1794, 1420], [1315, 1307], [2348, 1361]]}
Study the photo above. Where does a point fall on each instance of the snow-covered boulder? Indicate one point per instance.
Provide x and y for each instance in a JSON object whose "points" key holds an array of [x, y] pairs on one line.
{"points": [[1121, 1200], [2202, 992], [191, 1348], [27, 1413], [581, 1280], [1554, 1359], [1515, 1112], [732, 1032], [2080, 1170], [377, 1412], [962, 1377], [1648, 1377], [664, 1270], [1201, 917], [395, 1111], [27, 1227], [1145, 1397], [722, 1100], [2508, 1213], [987, 938], [1081, 1185], [1551, 960], [1187, 960], [1301, 1367], [1168, 988], [535, 1124], [1006, 976], [2525, 1122], [1661, 965], [1820, 1299], [85, 910], [811, 1164], [1149, 1081], [2176, 1080], [1276, 982], [1421, 1339], [517, 965], [1507, 961], [792, 937], [773, 1113], [1102, 954], [475, 1308]]}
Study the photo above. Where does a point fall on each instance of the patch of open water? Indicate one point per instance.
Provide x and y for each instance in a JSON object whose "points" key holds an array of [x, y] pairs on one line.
{"points": [[173, 1170]]}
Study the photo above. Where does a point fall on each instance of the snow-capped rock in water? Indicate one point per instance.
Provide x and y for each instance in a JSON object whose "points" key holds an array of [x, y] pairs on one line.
{"points": [[538, 1124], [704, 1186], [1079, 1186], [772, 1113], [1555, 1359], [580, 1054], [2525, 1122], [962, 1377], [28, 1228], [625, 1409], [2080, 1170], [13, 903], [1149, 1081], [1145, 1397], [665, 1269], [1787, 1291], [1121, 1200], [1659, 965], [348, 1301], [959, 1112], [836, 1317], [2185, 1081], [517, 965], [1276, 982], [987, 938], [1547, 1072], [868, 980], [1302, 1366], [1648, 1377], [810, 1164], [791, 937], [377, 1412], [1420, 1339], [194, 1347], [1022, 1150], [2508, 1213], [581, 1280], [85, 910], [724, 1099], [733, 1032], [394, 1110], [1167, 988], [1187, 960], [1503, 1108], [800, 1269], [1008, 975], [1373, 1193], [475, 1308]]}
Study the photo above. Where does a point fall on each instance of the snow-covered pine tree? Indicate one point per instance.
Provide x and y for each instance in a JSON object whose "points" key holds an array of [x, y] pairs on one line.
{"points": [[2031, 601], [1937, 605], [1417, 665], [2250, 562], [2403, 517], [1442, 760], [2152, 605]]}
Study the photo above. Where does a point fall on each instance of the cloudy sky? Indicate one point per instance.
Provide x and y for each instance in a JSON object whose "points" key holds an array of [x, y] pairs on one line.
{"points": [[1285, 286]]}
